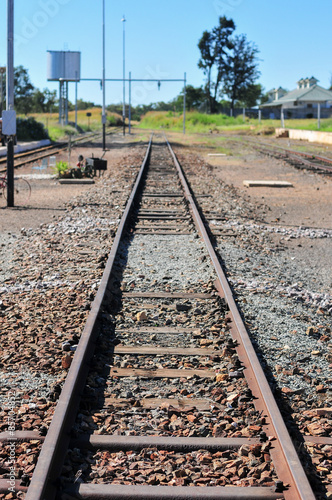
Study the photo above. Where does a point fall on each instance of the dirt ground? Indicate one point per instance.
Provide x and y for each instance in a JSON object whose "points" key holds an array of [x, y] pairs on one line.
{"points": [[48, 196], [307, 204]]}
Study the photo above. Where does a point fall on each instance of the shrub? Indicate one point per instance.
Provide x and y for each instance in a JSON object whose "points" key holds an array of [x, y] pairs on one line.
{"points": [[28, 129], [114, 120], [61, 168]]}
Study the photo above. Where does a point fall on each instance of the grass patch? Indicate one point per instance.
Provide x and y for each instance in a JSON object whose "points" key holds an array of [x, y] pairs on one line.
{"points": [[203, 123], [195, 122], [57, 132], [325, 124], [85, 123], [304, 124]]}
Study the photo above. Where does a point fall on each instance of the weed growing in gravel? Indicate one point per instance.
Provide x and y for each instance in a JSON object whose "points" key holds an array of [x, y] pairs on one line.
{"points": [[60, 168]]}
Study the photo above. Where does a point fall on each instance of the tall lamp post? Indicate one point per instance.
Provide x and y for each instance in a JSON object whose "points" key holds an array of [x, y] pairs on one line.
{"points": [[123, 20]]}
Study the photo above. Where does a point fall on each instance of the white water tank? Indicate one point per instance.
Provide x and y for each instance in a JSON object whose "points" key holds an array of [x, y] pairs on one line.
{"points": [[63, 65]]}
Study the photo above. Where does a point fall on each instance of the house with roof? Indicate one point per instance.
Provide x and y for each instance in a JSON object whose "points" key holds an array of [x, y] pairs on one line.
{"points": [[308, 100], [275, 94]]}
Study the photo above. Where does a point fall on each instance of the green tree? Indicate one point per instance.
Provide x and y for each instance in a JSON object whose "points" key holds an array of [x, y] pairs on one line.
{"points": [[195, 97], [50, 100], [239, 81], [27, 98], [81, 104], [38, 99], [253, 94], [43, 101], [23, 90], [214, 46], [264, 98]]}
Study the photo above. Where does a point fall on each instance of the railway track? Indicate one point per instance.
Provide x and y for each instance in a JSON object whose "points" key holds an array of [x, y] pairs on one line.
{"points": [[35, 155], [299, 159], [176, 404]]}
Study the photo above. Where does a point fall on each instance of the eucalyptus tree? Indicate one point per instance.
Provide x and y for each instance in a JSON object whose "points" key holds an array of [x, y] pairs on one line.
{"points": [[240, 77], [214, 47]]}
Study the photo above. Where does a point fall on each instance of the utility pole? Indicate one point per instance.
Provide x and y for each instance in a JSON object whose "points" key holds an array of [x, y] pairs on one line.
{"points": [[9, 117], [123, 20], [129, 111], [76, 101], [184, 102], [2, 71], [103, 118]]}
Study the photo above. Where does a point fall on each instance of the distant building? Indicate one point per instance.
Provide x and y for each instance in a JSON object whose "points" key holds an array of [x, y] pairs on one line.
{"points": [[276, 94], [303, 102]]}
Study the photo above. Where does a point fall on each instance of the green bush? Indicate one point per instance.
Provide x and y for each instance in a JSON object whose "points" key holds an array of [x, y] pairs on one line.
{"points": [[60, 132], [114, 121], [61, 168], [28, 129]]}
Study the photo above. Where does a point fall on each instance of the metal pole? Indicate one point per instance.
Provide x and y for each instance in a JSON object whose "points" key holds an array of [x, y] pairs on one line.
{"points": [[10, 100], [129, 110], [2, 71], [318, 116], [259, 116], [184, 104], [123, 20], [66, 103], [103, 118], [69, 150], [60, 101], [282, 118], [76, 102], [244, 114]]}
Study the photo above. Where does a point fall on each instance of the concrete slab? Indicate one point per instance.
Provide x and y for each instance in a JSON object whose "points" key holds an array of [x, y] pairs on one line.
{"points": [[278, 184], [25, 146], [37, 176], [307, 135], [76, 181]]}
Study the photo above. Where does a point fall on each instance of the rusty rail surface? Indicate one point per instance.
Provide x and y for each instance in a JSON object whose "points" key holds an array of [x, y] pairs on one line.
{"points": [[44, 483], [287, 462], [309, 160], [44, 151]]}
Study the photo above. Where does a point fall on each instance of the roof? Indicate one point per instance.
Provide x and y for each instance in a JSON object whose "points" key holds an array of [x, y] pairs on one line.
{"points": [[275, 89], [311, 94]]}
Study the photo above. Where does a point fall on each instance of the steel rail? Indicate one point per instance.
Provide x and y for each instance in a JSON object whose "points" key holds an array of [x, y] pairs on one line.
{"points": [[124, 492], [291, 153], [43, 483], [298, 153], [52, 149], [3, 158], [287, 462]]}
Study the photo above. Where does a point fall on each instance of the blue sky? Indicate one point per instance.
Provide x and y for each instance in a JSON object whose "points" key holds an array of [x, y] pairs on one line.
{"points": [[293, 37]]}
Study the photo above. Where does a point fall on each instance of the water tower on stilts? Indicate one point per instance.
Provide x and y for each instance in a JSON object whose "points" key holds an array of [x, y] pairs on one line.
{"points": [[64, 67]]}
